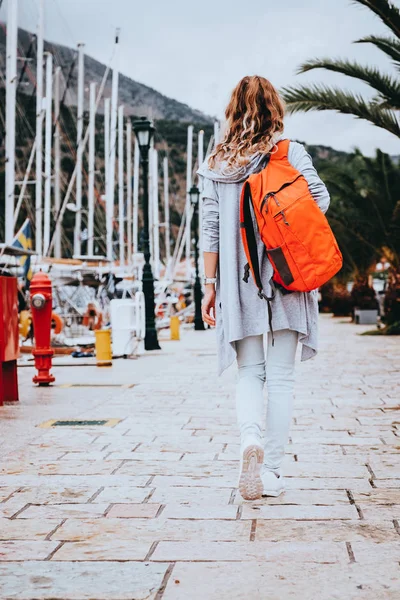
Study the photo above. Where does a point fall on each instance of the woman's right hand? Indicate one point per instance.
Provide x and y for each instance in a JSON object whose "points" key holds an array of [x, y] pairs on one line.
{"points": [[208, 306]]}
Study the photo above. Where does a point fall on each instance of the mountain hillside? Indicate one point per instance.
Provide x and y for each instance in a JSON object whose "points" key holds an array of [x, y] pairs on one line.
{"points": [[137, 98]]}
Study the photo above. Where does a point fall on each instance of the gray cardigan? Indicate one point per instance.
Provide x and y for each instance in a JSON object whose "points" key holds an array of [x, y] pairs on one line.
{"points": [[239, 310]]}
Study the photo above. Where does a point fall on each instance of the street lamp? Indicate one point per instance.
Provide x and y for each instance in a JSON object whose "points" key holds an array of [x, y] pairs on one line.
{"points": [[144, 131], [194, 194]]}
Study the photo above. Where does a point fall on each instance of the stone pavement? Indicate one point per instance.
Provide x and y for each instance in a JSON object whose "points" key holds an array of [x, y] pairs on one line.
{"points": [[147, 508]]}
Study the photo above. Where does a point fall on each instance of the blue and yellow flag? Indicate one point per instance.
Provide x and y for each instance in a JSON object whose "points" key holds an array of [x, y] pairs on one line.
{"points": [[23, 240]]}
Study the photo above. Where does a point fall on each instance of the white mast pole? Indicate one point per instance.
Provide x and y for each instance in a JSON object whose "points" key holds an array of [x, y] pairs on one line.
{"points": [[156, 217], [92, 123], [188, 207], [111, 166], [39, 130], [79, 153], [200, 158], [57, 159], [121, 211], [151, 203], [11, 98], [129, 187], [47, 152], [136, 164], [106, 142], [166, 219]]}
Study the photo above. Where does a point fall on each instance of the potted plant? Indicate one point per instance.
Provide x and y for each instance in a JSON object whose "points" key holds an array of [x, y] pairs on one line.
{"points": [[341, 304], [365, 303]]}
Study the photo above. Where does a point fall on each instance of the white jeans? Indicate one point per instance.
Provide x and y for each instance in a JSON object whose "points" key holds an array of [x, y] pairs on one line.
{"points": [[278, 371]]}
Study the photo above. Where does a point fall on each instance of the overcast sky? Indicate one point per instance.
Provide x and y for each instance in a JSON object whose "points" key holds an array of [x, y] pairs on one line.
{"points": [[197, 51]]}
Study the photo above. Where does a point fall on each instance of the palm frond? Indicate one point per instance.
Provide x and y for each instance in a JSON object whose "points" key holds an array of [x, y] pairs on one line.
{"points": [[386, 11], [390, 46], [387, 86], [321, 97]]}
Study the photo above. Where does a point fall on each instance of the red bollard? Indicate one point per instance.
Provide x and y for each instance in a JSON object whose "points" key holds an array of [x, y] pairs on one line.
{"points": [[9, 340], [41, 307]]}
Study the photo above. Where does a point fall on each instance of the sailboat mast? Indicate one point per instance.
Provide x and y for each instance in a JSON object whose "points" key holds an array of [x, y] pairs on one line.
{"points": [[200, 159], [47, 152], [121, 212], [136, 165], [39, 130], [111, 166], [188, 206], [92, 122], [57, 161], [156, 217], [166, 219], [129, 187], [79, 152], [11, 98]]}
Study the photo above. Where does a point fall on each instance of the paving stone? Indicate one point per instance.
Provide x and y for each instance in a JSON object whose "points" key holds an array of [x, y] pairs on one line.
{"points": [[298, 469], [387, 483], [22, 550], [301, 497], [154, 529], [383, 497], [324, 483], [309, 513], [379, 512], [161, 481], [131, 511], [17, 529], [227, 581], [377, 555], [109, 548], [63, 511], [193, 495], [200, 511], [80, 580], [329, 531], [286, 552], [122, 494], [54, 494]]}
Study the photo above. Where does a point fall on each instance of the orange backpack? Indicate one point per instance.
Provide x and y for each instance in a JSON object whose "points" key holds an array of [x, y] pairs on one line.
{"points": [[297, 237]]}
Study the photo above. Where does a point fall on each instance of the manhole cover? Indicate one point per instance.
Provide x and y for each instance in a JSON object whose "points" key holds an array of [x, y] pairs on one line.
{"points": [[81, 423]]}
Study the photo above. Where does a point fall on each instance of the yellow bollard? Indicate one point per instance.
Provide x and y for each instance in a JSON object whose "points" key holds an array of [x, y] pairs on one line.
{"points": [[25, 321], [174, 326], [103, 348]]}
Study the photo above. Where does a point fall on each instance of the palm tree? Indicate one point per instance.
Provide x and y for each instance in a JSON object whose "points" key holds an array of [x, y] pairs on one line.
{"points": [[382, 109], [365, 217]]}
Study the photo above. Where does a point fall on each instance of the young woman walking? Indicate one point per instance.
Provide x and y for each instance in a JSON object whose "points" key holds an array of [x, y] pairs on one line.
{"points": [[254, 118]]}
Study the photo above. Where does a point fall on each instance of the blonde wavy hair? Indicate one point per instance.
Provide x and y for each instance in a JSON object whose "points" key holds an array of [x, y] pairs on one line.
{"points": [[254, 118]]}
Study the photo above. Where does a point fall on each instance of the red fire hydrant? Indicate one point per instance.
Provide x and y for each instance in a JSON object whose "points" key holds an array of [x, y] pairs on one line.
{"points": [[41, 307]]}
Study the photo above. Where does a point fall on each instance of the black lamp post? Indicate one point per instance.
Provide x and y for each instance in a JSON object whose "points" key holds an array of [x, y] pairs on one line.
{"points": [[144, 131], [194, 194]]}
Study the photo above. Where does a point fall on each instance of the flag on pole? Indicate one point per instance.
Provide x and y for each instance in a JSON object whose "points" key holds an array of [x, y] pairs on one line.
{"points": [[23, 240]]}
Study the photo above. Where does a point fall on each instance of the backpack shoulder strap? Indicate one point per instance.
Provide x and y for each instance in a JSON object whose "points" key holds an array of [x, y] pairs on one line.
{"points": [[250, 241], [281, 152], [250, 245]]}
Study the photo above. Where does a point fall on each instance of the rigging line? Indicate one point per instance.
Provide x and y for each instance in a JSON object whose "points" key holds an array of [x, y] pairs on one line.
{"points": [[24, 68], [83, 142]]}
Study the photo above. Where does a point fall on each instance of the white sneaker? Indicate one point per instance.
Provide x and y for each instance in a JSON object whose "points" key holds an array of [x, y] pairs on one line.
{"points": [[272, 483], [252, 456]]}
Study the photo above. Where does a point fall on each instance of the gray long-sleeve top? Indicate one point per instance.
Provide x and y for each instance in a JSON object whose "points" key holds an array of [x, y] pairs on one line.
{"points": [[239, 310]]}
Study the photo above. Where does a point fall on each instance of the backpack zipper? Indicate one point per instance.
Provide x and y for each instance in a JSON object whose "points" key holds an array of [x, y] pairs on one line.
{"points": [[282, 212], [267, 196]]}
